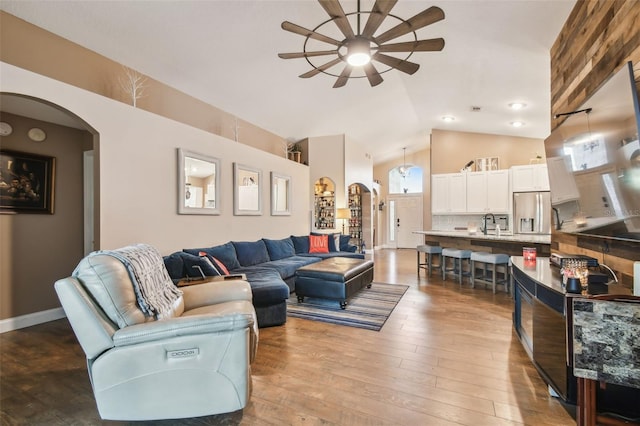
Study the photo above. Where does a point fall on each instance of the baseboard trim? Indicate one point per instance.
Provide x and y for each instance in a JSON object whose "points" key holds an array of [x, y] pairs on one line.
{"points": [[28, 320]]}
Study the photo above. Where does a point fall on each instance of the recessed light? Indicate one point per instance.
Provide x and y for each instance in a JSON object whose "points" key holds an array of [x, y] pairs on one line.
{"points": [[517, 105], [517, 123], [448, 118]]}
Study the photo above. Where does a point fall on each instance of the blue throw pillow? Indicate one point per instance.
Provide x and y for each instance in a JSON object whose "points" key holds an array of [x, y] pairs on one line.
{"points": [[332, 242], [344, 242], [279, 249], [251, 252], [300, 244], [225, 253]]}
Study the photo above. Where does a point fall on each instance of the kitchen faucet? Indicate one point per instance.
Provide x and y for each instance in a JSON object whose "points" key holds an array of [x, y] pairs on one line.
{"points": [[484, 221]]}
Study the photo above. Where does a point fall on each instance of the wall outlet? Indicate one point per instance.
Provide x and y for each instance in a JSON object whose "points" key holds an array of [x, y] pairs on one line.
{"points": [[636, 279]]}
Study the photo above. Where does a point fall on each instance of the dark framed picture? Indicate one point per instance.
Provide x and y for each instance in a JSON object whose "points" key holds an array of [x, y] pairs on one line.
{"points": [[26, 182]]}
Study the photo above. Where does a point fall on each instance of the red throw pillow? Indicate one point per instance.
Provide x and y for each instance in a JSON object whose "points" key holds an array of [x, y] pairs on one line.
{"points": [[217, 264], [318, 244]]}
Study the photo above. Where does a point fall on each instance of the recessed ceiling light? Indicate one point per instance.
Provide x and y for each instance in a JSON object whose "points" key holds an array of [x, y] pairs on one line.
{"points": [[517, 105], [448, 118], [517, 123]]}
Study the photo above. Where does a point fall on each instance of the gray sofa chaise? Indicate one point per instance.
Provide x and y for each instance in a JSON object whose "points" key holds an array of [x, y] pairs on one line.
{"points": [[269, 265]]}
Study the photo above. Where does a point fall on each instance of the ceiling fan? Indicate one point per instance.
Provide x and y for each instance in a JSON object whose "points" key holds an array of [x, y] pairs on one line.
{"points": [[360, 47]]}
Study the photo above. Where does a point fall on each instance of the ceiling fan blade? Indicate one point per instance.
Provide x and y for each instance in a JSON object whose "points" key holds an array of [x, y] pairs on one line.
{"points": [[297, 29], [422, 19], [399, 64], [321, 68], [372, 74], [344, 76], [431, 45], [335, 11], [307, 54], [380, 10]]}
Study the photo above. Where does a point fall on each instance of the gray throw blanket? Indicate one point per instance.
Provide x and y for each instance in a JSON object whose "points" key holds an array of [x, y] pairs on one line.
{"points": [[153, 287]]}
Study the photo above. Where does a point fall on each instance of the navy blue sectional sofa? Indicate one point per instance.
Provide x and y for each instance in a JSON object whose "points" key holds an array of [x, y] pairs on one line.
{"points": [[269, 265]]}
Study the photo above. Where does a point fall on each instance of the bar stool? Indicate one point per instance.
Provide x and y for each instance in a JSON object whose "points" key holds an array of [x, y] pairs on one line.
{"points": [[458, 269], [490, 274], [428, 251]]}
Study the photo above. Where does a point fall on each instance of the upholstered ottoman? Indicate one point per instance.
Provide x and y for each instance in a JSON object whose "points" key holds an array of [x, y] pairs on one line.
{"points": [[336, 278]]}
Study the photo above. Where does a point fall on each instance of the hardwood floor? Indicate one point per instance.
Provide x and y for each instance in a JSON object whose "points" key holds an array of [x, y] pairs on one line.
{"points": [[446, 356]]}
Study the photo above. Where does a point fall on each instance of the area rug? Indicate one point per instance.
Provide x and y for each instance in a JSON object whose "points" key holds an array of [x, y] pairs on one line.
{"points": [[369, 308]]}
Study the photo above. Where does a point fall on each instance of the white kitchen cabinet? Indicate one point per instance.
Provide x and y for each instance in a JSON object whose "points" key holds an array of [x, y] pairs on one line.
{"points": [[488, 192], [564, 184], [532, 177], [448, 193]]}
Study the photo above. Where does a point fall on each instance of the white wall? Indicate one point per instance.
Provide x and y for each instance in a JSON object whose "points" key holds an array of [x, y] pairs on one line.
{"points": [[326, 158], [138, 148]]}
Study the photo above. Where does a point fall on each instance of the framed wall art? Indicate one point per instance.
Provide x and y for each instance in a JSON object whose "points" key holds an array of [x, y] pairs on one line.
{"points": [[247, 193], [26, 182], [487, 163]]}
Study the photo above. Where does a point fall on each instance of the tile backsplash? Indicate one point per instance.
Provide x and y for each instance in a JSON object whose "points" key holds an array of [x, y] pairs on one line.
{"points": [[451, 222]]}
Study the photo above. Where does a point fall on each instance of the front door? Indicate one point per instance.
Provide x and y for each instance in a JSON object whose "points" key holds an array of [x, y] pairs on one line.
{"points": [[406, 217]]}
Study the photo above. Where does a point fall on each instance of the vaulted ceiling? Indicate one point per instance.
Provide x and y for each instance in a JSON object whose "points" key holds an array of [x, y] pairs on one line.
{"points": [[226, 53]]}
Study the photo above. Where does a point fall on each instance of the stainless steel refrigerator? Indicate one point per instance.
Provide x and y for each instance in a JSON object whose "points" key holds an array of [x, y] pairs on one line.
{"points": [[532, 212]]}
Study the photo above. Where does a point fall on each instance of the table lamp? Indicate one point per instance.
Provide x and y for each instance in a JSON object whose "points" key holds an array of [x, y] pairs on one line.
{"points": [[343, 214]]}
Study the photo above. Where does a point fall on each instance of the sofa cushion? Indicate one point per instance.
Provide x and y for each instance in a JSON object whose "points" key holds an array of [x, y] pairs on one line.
{"points": [[333, 254], [318, 244], [175, 265], [279, 249], [226, 253], [300, 244], [287, 267], [267, 287], [251, 252]]}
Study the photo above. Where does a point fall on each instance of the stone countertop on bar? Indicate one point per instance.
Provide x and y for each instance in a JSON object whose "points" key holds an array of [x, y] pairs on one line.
{"points": [[504, 236], [547, 275]]}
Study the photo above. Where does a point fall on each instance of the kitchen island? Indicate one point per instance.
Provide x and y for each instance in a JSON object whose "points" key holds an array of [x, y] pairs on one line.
{"points": [[506, 243], [542, 320]]}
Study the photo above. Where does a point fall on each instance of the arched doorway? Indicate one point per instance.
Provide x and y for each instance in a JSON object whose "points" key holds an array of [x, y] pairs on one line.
{"points": [[71, 143]]}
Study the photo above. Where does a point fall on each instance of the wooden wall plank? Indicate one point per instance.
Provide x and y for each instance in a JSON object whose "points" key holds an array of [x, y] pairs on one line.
{"points": [[597, 39]]}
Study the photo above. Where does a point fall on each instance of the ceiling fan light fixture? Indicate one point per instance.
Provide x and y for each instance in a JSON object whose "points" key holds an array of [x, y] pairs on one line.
{"points": [[358, 52]]}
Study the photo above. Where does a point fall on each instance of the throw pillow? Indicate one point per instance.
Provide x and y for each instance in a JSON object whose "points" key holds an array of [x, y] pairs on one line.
{"points": [[318, 244], [209, 261], [344, 242], [223, 269], [191, 260], [336, 241], [332, 245], [225, 253]]}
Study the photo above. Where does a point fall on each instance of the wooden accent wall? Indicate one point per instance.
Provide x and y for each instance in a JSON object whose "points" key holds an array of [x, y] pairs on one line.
{"points": [[597, 39]]}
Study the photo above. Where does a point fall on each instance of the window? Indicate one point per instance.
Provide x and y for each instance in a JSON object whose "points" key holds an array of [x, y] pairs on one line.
{"points": [[410, 183], [586, 152]]}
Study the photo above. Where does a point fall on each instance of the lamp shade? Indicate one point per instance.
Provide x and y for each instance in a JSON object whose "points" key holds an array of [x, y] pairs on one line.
{"points": [[343, 214]]}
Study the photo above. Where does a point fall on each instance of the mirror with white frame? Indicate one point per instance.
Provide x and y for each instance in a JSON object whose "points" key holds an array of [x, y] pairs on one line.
{"points": [[247, 193], [280, 194], [198, 183]]}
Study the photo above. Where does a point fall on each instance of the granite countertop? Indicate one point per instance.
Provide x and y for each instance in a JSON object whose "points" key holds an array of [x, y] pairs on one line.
{"points": [[548, 275], [504, 236]]}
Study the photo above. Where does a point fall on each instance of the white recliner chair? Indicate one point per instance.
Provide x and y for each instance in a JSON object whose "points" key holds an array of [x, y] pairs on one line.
{"points": [[195, 361]]}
